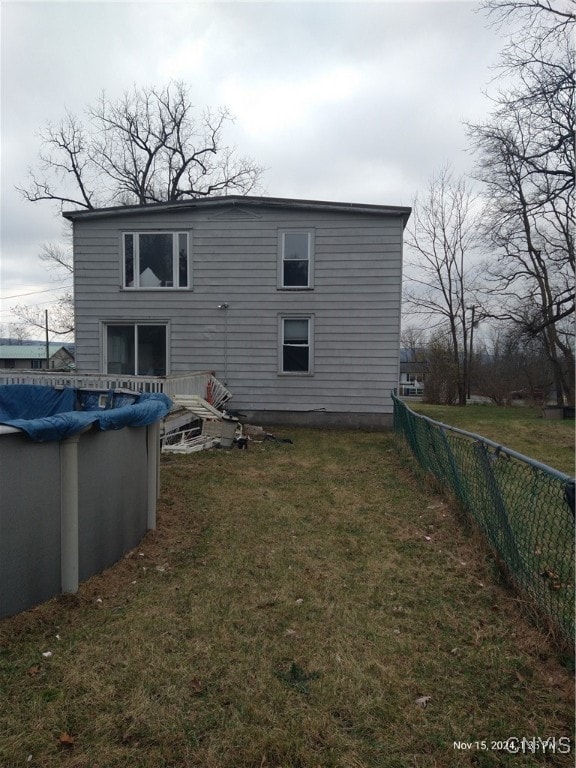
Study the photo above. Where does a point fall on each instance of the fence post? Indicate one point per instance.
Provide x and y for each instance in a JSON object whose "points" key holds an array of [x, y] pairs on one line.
{"points": [[454, 476], [501, 515]]}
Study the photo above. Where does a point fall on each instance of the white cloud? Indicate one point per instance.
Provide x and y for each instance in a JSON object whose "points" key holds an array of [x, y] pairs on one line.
{"points": [[190, 55], [271, 107]]}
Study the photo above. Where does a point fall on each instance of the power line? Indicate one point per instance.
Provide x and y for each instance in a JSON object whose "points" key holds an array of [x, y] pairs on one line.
{"points": [[33, 293], [10, 311]]}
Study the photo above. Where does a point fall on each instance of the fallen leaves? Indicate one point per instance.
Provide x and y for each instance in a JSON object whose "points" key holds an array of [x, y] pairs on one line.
{"points": [[65, 740], [553, 579], [197, 687], [267, 604]]}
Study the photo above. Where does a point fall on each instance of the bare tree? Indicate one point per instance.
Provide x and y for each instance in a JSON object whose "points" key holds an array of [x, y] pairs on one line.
{"points": [[511, 365], [151, 145], [527, 163], [533, 16], [60, 321], [443, 372], [413, 340], [148, 146], [57, 259], [16, 333], [441, 276]]}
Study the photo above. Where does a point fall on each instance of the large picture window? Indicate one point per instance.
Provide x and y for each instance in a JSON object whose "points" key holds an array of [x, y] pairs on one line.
{"points": [[156, 260], [134, 349], [296, 344], [295, 265]]}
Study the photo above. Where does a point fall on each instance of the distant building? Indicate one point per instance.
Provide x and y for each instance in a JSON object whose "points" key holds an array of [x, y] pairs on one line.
{"points": [[32, 357], [412, 379]]}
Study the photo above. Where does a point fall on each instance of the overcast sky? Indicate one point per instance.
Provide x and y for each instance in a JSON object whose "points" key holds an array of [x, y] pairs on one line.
{"points": [[347, 101]]}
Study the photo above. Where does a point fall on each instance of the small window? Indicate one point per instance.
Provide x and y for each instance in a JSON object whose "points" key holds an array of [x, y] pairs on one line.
{"points": [[37, 365], [295, 268], [296, 344], [156, 260], [134, 349]]}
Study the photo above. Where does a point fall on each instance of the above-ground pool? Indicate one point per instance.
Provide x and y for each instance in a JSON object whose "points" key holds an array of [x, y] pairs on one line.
{"points": [[78, 485]]}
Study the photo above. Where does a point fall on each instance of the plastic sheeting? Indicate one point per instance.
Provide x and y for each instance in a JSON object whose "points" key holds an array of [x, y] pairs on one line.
{"points": [[46, 413]]}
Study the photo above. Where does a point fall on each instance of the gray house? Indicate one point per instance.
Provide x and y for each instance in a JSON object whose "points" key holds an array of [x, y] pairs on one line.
{"points": [[294, 304]]}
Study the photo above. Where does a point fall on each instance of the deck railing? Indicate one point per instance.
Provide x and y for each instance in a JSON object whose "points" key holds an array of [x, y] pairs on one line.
{"points": [[202, 383]]}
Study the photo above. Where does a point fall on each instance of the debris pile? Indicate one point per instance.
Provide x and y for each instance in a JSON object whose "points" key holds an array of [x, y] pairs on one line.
{"points": [[197, 426]]}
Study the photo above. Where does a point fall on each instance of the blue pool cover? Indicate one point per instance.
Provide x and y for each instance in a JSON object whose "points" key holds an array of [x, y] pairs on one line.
{"points": [[47, 413]]}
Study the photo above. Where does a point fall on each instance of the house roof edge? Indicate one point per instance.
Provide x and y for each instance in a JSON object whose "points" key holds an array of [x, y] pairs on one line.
{"points": [[246, 200]]}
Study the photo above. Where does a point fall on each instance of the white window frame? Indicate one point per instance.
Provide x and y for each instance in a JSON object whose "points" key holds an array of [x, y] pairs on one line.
{"points": [[310, 346], [134, 324], [175, 259], [281, 259]]}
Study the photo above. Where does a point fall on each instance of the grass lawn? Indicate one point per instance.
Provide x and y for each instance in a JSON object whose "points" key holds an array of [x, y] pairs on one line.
{"points": [[300, 606], [521, 429]]}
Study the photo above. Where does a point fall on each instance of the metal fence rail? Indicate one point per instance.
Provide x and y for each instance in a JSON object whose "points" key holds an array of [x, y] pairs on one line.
{"points": [[524, 508]]}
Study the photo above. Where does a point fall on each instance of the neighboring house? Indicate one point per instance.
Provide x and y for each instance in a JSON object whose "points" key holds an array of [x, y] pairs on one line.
{"points": [[412, 378], [295, 305], [32, 357]]}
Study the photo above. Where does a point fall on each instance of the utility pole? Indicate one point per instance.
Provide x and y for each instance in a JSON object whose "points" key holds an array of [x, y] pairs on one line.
{"points": [[473, 308], [47, 342]]}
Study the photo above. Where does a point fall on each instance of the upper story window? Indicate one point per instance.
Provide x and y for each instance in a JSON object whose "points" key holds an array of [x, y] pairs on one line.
{"points": [[156, 260], [296, 254]]}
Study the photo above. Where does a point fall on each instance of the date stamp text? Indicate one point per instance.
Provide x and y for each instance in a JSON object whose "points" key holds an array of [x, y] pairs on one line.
{"points": [[519, 745]]}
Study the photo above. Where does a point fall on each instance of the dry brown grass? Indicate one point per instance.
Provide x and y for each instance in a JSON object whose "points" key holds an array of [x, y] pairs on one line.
{"points": [[294, 603]]}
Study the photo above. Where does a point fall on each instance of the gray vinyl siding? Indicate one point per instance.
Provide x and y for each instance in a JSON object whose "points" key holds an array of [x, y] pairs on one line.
{"points": [[355, 303]]}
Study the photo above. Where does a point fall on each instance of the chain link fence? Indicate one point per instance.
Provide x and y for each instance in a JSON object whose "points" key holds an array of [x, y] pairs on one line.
{"points": [[524, 509]]}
